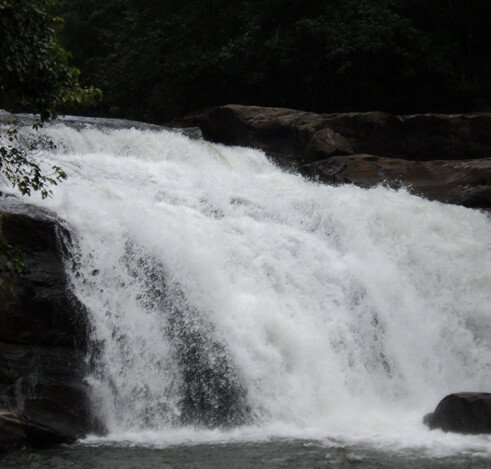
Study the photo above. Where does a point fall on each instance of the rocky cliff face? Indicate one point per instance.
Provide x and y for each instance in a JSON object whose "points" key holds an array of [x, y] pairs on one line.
{"points": [[43, 337], [442, 157]]}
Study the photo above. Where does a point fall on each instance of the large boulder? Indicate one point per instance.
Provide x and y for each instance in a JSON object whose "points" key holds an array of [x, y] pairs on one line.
{"points": [[462, 182], [43, 335], [289, 134], [465, 412], [443, 157]]}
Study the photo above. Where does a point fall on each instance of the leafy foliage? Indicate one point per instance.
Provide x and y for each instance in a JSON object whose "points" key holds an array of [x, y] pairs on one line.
{"points": [[18, 162], [34, 70], [156, 59], [35, 76]]}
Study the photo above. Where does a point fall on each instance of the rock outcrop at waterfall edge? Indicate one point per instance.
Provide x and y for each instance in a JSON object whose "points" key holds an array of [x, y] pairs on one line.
{"points": [[43, 397], [466, 412], [442, 157]]}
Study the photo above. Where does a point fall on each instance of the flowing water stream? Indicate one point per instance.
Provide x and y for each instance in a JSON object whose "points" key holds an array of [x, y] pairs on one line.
{"points": [[248, 317]]}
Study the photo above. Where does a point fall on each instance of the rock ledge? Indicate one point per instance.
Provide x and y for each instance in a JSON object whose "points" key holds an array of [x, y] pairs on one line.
{"points": [[444, 157]]}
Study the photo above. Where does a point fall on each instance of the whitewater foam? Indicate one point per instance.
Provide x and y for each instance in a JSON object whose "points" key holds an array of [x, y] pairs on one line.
{"points": [[344, 312]]}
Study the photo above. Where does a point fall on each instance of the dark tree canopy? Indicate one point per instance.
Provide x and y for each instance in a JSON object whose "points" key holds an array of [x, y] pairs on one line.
{"points": [[34, 76], [34, 70], [156, 59]]}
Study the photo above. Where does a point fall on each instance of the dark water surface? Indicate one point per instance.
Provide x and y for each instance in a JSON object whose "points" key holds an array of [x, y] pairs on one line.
{"points": [[281, 454]]}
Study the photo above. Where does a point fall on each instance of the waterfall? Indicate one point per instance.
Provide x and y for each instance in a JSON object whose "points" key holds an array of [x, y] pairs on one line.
{"points": [[224, 292]]}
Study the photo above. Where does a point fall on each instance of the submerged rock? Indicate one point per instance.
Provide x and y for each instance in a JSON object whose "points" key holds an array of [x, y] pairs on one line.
{"points": [[466, 412], [43, 335], [444, 157]]}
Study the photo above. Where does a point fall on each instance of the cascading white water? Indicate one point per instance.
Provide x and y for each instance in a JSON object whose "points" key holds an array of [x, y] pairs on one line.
{"points": [[339, 311]]}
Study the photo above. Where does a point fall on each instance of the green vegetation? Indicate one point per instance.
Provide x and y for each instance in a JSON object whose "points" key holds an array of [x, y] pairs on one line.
{"points": [[158, 59], [34, 70], [34, 76]]}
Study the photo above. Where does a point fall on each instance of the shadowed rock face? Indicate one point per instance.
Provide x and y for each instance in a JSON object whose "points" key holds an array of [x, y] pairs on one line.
{"points": [[466, 412], [37, 307], [461, 182], [291, 137], [16, 430], [42, 336], [441, 157], [289, 132]]}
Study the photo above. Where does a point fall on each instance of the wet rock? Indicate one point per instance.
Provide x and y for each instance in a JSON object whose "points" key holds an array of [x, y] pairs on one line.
{"points": [[441, 157], [326, 143], [287, 133], [464, 182], [466, 412], [289, 136], [37, 307], [43, 333], [16, 430]]}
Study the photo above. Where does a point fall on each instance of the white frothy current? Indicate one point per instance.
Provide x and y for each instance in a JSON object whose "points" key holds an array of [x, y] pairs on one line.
{"points": [[345, 313]]}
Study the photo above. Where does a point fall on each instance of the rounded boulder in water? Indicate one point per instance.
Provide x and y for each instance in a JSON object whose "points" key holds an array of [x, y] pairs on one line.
{"points": [[466, 412]]}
